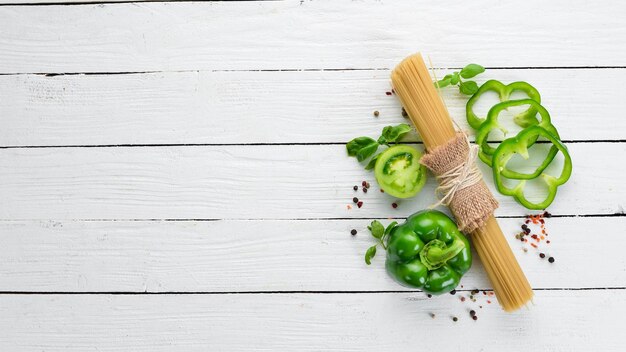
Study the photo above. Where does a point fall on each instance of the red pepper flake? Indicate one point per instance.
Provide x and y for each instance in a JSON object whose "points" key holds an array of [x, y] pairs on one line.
{"points": [[534, 236], [527, 221], [394, 205], [490, 293], [349, 206], [532, 244], [388, 93], [489, 302], [359, 204]]}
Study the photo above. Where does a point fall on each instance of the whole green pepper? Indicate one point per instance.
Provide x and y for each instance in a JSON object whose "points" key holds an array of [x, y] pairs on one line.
{"points": [[491, 123], [523, 119], [428, 252], [519, 145]]}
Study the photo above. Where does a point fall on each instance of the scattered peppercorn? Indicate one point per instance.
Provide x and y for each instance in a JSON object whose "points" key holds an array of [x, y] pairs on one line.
{"points": [[462, 299], [404, 114], [475, 292], [453, 292], [359, 204], [546, 214], [353, 232], [472, 312], [364, 183], [364, 190], [356, 188], [388, 93], [394, 205], [430, 296], [551, 259], [376, 113], [432, 315], [355, 200], [455, 319], [381, 191], [541, 255], [475, 317]]}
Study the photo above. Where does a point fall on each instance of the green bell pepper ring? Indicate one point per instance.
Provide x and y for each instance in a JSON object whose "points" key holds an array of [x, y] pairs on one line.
{"points": [[398, 171], [428, 252], [519, 145], [491, 123], [523, 119]]}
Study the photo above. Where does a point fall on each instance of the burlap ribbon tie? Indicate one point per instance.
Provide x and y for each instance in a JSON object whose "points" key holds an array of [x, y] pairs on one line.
{"points": [[460, 182]]}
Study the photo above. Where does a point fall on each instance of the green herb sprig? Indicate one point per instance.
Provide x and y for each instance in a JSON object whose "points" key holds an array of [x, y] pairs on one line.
{"points": [[465, 87], [364, 147], [380, 233]]}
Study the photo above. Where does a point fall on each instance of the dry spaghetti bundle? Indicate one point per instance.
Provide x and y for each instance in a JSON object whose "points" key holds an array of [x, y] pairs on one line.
{"points": [[451, 158]]}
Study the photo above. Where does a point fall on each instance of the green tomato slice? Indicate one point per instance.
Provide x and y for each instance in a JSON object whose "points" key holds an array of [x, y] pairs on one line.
{"points": [[399, 172]]}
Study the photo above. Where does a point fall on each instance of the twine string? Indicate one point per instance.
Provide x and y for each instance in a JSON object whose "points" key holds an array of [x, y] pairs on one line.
{"points": [[459, 177]]}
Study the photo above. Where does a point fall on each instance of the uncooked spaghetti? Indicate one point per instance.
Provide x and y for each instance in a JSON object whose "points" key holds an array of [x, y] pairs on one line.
{"points": [[413, 84]]}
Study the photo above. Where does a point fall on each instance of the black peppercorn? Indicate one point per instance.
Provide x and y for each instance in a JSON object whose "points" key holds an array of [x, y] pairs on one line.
{"points": [[353, 232]]}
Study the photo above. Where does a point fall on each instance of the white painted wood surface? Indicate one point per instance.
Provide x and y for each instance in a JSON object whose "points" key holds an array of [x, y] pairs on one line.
{"points": [[262, 255], [250, 182], [108, 181], [309, 322], [252, 107], [308, 35]]}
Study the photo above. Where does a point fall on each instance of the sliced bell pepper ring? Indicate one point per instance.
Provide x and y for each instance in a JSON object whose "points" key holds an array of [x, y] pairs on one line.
{"points": [[399, 172], [428, 252], [491, 123], [523, 119], [519, 145]]}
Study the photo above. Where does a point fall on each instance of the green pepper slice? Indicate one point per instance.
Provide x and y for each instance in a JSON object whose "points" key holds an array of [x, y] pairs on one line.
{"points": [[519, 145], [399, 172], [491, 123], [428, 252], [523, 119]]}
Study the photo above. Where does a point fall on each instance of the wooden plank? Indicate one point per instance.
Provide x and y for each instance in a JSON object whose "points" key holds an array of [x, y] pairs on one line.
{"points": [[297, 35], [248, 182], [558, 320], [252, 107], [236, 256]]}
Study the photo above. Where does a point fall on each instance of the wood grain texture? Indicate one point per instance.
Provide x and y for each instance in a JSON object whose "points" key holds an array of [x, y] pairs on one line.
{"points": [[309, 322], [267, 107], [249, 182], [303, 35], [235, 256]]}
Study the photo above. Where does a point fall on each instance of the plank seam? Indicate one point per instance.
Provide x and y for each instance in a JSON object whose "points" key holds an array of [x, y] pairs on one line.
{"points": [[103, 73], [148, 293], [256, 144], [607, 215]]}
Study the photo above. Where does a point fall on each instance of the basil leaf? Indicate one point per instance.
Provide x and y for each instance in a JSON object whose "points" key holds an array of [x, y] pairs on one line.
{"points": [[394, 133], [367, 151], [390, 227], [372, 162], [442, 83], [377, 229], [371, 252], [471, 70], [362, 147], [468, 87], [455, 78]]}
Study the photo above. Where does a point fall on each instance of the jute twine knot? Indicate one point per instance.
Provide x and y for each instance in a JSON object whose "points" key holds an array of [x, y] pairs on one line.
{"points": [[461, 187]]}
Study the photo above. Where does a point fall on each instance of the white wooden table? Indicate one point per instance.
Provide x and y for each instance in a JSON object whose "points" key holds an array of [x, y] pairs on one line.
{"points": [[173, 175]]}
